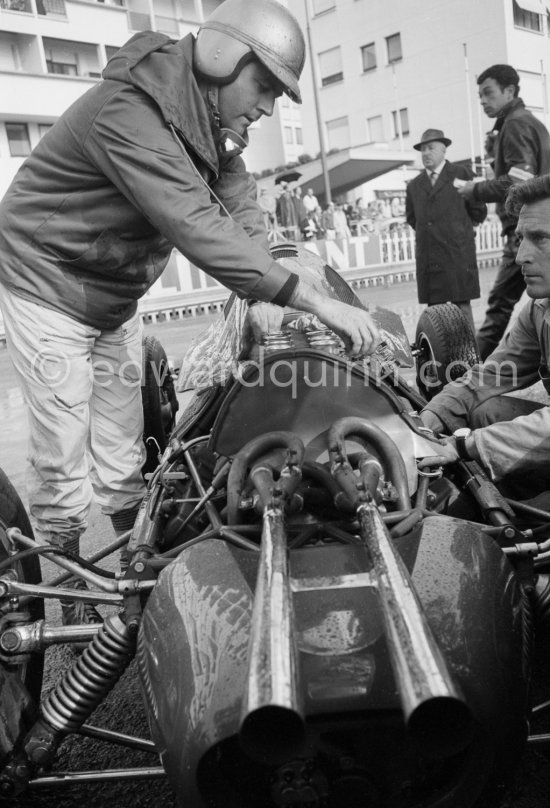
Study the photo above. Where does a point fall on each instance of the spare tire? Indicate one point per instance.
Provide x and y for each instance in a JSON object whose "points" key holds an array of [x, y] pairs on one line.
{"points": [[160, 403], [445, 347]]}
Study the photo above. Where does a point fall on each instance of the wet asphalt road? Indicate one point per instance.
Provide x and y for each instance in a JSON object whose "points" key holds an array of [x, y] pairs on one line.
{"points": [[122, 710]]}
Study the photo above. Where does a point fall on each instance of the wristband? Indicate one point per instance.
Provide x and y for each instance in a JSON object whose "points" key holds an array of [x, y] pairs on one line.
{"points": [[460, 436]]}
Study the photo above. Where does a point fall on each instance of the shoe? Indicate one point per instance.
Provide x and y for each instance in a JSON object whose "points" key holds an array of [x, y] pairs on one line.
{"points": [[78, 612]]}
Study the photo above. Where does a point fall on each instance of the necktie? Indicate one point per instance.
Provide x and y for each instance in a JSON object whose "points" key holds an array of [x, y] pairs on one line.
{"points": [[433, 178]]}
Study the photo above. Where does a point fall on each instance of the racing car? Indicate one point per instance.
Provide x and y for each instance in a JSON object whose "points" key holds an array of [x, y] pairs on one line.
{"points": [[316, 621]]}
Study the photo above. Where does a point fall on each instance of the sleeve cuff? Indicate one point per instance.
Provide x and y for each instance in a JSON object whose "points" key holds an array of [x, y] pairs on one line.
{"points": [[282, 298], [276, 286]]}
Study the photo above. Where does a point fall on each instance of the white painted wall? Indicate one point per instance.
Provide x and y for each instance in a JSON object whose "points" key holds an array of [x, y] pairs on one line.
{"points": [[431, 79]]}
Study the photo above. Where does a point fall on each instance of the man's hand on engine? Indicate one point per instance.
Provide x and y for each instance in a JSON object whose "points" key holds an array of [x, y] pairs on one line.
{"points": [[263, 319], [354, 325]]}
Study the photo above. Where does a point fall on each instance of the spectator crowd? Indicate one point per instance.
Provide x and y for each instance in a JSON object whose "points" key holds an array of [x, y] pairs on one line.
{"points": [[290, 214]]}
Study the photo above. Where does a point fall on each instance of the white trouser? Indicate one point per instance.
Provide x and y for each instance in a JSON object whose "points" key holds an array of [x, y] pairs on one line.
{"points": [[82, 387]]}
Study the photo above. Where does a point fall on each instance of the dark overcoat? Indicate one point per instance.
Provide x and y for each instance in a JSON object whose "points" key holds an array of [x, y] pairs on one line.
{"points": [[446, 265]]}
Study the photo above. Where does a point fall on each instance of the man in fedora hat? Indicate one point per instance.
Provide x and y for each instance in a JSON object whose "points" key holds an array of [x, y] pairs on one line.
{"points": [[446, 265]]}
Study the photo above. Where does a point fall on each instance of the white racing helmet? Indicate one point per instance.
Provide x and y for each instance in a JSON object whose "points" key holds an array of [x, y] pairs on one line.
{"points": [[239, 30]]}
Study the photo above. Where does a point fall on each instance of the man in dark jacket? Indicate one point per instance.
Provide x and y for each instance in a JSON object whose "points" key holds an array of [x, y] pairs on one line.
{"points": [[508, 434], [521, 151], [446, 265], [146, 160]]}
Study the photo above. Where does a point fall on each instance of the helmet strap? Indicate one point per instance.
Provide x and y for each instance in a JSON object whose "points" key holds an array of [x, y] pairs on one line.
{"points": [[231, 142], [212, 98]]}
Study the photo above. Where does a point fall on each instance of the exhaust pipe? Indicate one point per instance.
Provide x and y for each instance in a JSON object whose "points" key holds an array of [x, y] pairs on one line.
{"points": [[438, 719], [392, 460], [257, 448], [272, 723]]}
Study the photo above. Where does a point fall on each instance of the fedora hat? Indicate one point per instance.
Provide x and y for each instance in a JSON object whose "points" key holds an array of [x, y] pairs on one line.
{"points": [[430, 135]]}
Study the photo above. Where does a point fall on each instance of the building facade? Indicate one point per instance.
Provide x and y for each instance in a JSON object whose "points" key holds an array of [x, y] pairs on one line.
{"points": [[386, 71], [52, 51]]}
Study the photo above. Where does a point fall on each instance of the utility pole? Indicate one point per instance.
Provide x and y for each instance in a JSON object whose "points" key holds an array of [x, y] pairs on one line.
{"points": [[483, 162], [320, 128], [544, 88], [398, 122], [469, 99]]}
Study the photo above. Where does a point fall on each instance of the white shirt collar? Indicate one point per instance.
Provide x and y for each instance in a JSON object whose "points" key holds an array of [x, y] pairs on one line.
{"points": [[438, 170]]}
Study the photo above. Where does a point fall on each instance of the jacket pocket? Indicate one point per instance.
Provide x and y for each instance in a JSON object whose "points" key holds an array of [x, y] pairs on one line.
{"points": [[132, 258]]}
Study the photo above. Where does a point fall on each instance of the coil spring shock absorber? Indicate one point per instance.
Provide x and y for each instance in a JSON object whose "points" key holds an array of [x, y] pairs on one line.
{"points": [[82, 688]]}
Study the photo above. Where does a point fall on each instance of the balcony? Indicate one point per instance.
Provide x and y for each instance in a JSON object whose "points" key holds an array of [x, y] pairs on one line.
{"points": [[39, 97], [167, 25], [16, 5], [71, 58], [140, 21], [54, 8]]}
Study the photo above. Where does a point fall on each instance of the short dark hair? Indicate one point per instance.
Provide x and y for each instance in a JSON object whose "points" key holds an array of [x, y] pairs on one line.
{"points": [[523, 193], [504, 75]]}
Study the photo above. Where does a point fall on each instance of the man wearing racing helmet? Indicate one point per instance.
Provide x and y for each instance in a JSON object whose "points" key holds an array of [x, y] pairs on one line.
{"points": [[146, 160]]}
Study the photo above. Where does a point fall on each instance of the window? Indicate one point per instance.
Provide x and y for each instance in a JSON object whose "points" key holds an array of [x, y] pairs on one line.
{"points": [[18, 139], [375, 129], [55, 7], [319, 6], [61, 61], [288, 134], [61, 68], [17, 5], [393, 44], [338, 133], [330, 66], [402, 120], [43, 128], [298, 135], [368, 57], [526, 16]]}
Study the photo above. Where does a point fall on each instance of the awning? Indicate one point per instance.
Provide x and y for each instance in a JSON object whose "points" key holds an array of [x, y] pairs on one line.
{"points": [[349, 168], [536, 6]]}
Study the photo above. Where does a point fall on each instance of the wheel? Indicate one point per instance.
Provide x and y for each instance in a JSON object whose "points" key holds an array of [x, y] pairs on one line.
{"points": [[445, 348], [160, 403], [22, 678]]}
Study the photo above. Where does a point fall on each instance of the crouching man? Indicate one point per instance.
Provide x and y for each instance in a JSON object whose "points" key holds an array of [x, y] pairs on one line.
{"points": [[509, 436]]}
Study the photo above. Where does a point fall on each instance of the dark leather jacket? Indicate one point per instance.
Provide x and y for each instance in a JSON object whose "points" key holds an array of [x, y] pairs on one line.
{"points": [[125, 174], [522, 150]]}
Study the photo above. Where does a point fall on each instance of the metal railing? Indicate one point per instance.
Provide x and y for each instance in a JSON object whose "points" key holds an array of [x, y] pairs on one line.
{"points": [[56, 7], [396, 265], [398, 245], [43, 7], [167, 25], [138, 21], [16, 5]]}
